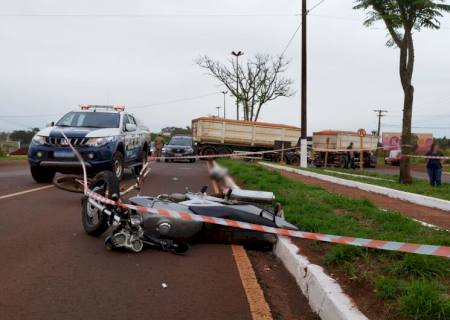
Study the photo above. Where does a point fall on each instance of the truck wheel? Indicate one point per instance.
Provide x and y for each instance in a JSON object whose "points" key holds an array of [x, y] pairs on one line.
{"points": [[224, 150], [42, 175], [143, 158], [208, 151], [294, 161], [342, 162], [117, 165]]}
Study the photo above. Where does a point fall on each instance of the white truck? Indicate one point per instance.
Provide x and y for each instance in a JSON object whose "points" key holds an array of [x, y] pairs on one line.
{"points": [[223, 136], [331, 148]]}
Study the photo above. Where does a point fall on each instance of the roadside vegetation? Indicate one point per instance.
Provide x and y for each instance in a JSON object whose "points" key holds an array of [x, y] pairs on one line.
{"points": [[419, 186], [408, 286], [5, 157]]}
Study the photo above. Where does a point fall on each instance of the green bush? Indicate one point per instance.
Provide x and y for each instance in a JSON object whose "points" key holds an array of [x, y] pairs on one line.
{"points": [[387, 288], [423, 301], [416, 266], [340, 253]]}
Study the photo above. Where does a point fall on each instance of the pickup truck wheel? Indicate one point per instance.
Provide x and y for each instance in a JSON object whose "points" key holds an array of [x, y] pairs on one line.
{"points": [[117, 165], [42, 175], [143, 158]]}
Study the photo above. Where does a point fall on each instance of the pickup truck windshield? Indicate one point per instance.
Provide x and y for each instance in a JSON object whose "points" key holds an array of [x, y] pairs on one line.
{"points": [[179, 141], [90, 120]]}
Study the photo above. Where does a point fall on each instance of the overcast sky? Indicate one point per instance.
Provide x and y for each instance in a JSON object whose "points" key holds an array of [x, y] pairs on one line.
{"points": [[55, 55]]}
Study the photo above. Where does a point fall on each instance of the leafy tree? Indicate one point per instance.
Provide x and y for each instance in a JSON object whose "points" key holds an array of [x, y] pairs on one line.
{"points": [[260, 81], [402, 18], [24, 136]]}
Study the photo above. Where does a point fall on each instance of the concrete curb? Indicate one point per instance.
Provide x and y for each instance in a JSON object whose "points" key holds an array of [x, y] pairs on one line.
{"points": [[392, 193], [324, 294]]}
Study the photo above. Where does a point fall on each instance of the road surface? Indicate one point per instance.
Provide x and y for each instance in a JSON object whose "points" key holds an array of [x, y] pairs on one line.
{"points": [[415, 173], [51, 269]]}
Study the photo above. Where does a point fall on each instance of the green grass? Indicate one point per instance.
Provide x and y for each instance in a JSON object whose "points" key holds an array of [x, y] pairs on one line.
{"points": [[24, 157], [419, 186], [397, 278]]}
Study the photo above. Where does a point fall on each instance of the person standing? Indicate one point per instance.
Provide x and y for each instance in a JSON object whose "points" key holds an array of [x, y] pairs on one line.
{"points": [[350, 156], [159, 144], [434, 166]]}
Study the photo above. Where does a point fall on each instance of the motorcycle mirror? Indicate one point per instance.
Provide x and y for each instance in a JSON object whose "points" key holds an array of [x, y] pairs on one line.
{"points": [[204, 188]]}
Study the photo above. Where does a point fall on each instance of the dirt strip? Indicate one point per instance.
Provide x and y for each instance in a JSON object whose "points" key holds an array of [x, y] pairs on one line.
{"points": [[286, 300], [433, 216]]}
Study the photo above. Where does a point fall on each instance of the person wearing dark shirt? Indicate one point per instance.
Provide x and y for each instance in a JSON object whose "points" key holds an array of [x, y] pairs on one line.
{"points": [[350, 156], [434, 166]]}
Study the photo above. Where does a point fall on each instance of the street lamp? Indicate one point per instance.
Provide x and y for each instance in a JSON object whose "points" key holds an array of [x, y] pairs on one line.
{"points": [[218, 111], [224, 112], [237, 55]]}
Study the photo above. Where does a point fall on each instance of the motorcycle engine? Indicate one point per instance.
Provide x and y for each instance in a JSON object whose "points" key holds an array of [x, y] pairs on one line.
{"points": [[126, 238]]}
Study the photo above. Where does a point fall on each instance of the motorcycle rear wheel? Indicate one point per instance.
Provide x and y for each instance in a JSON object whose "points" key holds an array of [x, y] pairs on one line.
{"points": [[95, 223]]}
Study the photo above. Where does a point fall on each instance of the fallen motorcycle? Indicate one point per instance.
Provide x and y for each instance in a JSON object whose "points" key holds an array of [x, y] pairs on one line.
{"points": [[133, 230]]}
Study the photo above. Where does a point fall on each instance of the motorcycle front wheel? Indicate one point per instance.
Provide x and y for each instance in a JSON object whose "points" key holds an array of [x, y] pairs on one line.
{"points": [[95, 223]]}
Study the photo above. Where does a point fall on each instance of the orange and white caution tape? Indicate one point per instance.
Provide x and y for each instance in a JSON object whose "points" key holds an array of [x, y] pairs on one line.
{"points": [[424, 249], [426, 157], [224, 155]]}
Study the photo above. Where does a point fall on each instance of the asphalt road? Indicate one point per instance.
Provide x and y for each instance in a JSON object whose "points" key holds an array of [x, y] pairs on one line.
{"points": [[415, 173], [50, 269]]}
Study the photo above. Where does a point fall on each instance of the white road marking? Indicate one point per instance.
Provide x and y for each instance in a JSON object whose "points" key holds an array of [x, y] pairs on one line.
{"points": [[25, 192]]}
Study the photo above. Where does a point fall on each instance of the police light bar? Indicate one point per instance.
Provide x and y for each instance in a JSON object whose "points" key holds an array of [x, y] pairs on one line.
{"points": [[115, 107]]}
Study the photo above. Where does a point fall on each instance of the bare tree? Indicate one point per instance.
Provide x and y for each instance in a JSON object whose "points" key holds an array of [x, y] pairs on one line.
{"points": [[401, 18], [260, 81]]}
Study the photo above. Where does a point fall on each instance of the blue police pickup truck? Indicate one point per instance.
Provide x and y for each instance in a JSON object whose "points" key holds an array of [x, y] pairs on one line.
{"points": [[107, 137]]}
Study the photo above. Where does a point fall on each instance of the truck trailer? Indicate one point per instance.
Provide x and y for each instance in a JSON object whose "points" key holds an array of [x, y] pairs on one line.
{"points": [[331, 148], [223, 136]]}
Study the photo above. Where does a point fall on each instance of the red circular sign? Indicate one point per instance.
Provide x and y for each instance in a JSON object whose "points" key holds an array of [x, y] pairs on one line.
{"points": [[362, 133]]}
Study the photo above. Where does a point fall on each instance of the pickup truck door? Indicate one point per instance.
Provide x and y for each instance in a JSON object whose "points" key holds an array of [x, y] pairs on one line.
{"points": [[132, 139]]}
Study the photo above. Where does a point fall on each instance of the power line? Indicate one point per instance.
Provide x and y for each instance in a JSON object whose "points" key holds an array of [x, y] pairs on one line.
{"points": [[30, 115], [291, 39], [416, 127], [299, 26], [173, 101], [316, 5], [136, 15], [131, 107]]}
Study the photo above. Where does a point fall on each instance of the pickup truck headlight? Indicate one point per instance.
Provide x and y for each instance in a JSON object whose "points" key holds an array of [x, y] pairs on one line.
{"points": [[98, 142], [164, 149], [38, 139], [189, 150]]}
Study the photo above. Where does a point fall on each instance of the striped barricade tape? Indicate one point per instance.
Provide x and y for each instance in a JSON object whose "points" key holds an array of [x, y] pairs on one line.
{"points": [[224, 155], [432, 250], [426, 157]]}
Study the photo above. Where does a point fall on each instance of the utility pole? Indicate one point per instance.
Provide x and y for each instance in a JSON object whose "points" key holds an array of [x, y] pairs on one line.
{"points": [[224, 102], [303, 141], [380, 113], [237, 55]]}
